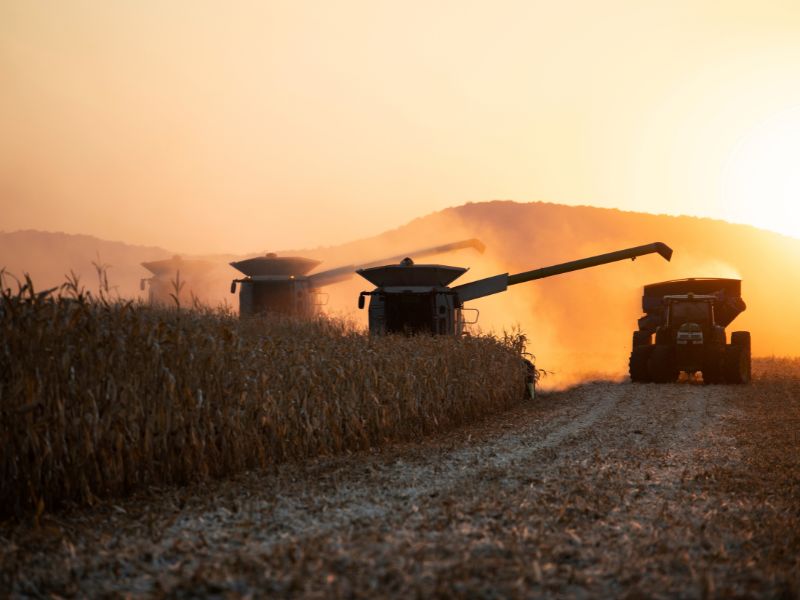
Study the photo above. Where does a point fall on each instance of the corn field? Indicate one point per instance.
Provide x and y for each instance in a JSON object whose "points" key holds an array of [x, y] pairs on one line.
{"points": [[102, 397]]}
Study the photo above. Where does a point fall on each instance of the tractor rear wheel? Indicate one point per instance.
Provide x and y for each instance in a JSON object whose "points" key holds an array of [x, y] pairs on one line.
{"points": [[737, 359], [661, 366], [740, 338], [641, 338], [637, 363]]}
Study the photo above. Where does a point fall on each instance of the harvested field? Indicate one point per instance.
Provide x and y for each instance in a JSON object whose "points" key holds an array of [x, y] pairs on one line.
{"points": [[606, 489]]}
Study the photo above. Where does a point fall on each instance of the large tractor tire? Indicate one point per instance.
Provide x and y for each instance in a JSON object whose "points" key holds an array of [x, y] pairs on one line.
{"points": [[737, 358], [637, 363], [740, 338], [641, 338], [661, 366]]}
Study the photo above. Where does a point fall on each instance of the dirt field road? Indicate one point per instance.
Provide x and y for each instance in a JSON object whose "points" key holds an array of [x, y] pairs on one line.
{"points": [[607, 489]]}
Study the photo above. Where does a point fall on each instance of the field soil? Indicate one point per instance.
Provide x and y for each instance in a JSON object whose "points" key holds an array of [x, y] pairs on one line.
{"points": [[604, 490]]}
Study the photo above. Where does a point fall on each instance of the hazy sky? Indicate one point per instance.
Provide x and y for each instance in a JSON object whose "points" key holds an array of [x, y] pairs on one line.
{"points": [[240, 126]]}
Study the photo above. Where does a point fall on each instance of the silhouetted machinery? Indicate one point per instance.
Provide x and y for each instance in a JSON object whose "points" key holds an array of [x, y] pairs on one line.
{"points": [[411, 298], [281, 284], [176, 277], [688, 318]]}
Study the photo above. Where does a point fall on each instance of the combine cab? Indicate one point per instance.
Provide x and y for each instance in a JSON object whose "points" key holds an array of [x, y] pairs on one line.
{"points": [[683, 330]]}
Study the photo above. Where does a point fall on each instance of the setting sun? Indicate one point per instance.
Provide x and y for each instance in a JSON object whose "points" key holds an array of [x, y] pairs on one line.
{"points": [[762, 186], [203, 128]]}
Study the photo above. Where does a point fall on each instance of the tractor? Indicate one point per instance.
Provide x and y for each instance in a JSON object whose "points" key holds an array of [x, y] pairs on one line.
{"points": [[683, 331]]}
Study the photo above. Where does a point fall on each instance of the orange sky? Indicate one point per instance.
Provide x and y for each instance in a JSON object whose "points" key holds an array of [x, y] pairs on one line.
{"points": [[203, 127]]}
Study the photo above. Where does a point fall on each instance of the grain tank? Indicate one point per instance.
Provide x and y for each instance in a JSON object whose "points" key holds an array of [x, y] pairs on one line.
{"points": [[417, 298], [683, 331], [283, 285]]}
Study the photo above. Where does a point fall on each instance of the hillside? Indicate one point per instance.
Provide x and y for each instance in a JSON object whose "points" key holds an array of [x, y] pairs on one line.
{"points": [[48, 257], [577, 323]]}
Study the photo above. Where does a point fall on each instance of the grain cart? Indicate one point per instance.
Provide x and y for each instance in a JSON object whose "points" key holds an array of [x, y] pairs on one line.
{"points": [[687, 318], [281, 284], [173, 278]]}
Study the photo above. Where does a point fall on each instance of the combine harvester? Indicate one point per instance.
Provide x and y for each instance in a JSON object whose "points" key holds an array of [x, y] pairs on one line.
{"points": [[416, 299], [175, 277], [688, 318], [282, 285], [411, 298]]}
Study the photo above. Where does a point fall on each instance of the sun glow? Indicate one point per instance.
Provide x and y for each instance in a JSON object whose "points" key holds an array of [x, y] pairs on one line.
{"points": [[762, 180]]}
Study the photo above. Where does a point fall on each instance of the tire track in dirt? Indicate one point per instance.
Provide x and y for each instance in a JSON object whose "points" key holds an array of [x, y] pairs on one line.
{"points": [[600, 479], [349, 501], [626, 484], [657, 527]]}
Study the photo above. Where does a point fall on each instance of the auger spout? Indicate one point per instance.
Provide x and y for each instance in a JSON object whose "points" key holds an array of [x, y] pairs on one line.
{"points": [[499, 283], [593, 261]]}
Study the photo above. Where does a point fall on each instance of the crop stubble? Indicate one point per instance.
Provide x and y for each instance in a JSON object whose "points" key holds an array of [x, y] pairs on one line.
{"points": [[605, 489]]}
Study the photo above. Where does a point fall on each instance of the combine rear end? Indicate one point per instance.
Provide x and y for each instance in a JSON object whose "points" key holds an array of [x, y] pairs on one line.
{"points": [[417, 299], [176, 280], [687, 318]]}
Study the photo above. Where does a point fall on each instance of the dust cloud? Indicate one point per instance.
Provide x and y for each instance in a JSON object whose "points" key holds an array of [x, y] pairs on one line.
{"points": [[579, 324]]}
